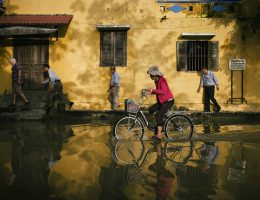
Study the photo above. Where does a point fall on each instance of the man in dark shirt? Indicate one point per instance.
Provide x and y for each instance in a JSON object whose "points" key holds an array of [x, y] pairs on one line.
{"points": [[17, 81]]}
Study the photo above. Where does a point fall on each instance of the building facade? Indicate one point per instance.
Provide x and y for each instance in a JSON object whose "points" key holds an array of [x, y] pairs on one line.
{"points": [[82, 39]]}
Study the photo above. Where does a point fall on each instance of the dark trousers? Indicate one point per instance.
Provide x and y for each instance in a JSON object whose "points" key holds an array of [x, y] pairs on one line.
{"points": [[57, 92], [161, 110], [209, 92]]}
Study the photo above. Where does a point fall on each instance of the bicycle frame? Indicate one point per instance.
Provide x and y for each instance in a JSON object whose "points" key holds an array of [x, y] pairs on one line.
{"points": [[145, 121], [140, 115]]}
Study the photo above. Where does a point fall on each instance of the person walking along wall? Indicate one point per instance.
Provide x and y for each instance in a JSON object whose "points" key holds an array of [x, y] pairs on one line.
{"points": [[55, 87], [114, 88], [17, 81], [209, 81]]}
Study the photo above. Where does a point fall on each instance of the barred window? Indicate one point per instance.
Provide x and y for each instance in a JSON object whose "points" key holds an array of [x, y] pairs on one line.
{"points": [[113, 48], [197, 55], [193, 55]]}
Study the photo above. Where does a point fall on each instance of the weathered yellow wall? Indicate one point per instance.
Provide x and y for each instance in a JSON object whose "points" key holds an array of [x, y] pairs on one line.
{"points": [[5, 69], [76, 57]]}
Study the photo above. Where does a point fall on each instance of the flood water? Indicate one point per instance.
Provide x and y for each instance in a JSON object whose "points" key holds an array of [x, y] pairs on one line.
{"points": [[40, 161]]}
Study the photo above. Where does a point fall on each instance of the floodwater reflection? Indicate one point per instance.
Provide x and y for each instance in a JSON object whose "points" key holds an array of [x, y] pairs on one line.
{"points": [[27, 155], [41, 161]]}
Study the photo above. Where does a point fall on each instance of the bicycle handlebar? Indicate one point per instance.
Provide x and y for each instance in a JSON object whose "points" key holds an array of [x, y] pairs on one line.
{"points": [[144, 93]]}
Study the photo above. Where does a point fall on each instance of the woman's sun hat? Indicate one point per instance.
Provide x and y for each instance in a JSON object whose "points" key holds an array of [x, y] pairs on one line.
{"points": [[154, 71]]}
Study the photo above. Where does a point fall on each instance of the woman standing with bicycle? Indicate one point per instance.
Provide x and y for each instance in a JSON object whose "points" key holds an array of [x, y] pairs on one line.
{"points": [[164, 98]]}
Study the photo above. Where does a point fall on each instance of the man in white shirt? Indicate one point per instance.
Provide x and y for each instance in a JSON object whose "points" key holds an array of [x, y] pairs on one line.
{"points": [[209, 81], [114, 88], [55, 87]]}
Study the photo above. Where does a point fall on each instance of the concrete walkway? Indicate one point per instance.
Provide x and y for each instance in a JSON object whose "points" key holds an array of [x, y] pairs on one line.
{"points": [[197, 116], [91, 116], [25, 114]]}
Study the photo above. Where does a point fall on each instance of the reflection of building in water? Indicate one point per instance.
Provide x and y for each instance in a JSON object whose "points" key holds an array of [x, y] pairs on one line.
{"points": [[113, 181], [30, 165], [201, 181], [35, 147], [196, 182]]}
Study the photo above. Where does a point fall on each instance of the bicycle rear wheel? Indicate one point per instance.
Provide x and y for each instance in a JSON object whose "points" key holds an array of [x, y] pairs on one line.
{"points": [[180, 152], [128, 152], [128, 128], [178, 127]]}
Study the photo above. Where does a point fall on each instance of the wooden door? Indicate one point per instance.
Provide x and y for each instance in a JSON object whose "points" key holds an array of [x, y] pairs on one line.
{"points": [[32, 53]]}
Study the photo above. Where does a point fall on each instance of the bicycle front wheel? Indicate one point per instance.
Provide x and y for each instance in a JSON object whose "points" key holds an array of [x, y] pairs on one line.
{"points": [[128, 128], [178, 127]]}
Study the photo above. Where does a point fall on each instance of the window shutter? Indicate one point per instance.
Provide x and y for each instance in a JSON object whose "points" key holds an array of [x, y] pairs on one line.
{"points": [[120, 39], [106, 51], [181, 55], [213, 55]]}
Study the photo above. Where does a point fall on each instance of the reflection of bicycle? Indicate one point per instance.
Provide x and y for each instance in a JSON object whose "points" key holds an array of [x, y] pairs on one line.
{"points": [[131, 127], [135, 153]]}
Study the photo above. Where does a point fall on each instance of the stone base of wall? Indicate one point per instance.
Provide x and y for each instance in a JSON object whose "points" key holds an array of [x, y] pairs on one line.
{"points": [[37, 98], [184, 106], [226, 107]]}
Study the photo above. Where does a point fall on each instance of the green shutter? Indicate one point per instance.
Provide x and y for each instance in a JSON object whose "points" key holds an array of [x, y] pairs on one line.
{"points": [[181, 53], [120, 41], [106, 49], [213, 56]]}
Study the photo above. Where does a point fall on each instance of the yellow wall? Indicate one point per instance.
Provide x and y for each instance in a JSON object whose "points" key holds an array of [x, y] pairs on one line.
{"points": [[76, 57], [5, 69]]}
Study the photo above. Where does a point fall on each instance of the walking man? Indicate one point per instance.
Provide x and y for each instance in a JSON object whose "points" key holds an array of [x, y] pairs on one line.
{"points": [[17, 81], [114, 88], [209, 81], [55, 87]]}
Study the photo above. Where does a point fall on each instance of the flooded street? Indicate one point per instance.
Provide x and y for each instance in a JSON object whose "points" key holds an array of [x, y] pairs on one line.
{"points": [[41, 161]]}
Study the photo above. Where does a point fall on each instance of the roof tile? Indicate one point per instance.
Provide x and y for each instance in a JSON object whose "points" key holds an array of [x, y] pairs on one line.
{"points": [[14, 20]]}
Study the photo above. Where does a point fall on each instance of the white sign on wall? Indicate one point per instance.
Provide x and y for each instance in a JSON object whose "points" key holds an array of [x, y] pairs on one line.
{"points": [[237, 64]]}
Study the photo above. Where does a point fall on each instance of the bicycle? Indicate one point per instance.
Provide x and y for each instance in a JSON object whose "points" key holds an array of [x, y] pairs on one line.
{"points": [[131, 127], [135, 153]]}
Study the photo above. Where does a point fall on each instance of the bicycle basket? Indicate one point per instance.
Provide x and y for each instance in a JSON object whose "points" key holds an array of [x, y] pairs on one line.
{"points": [[131, 106]]}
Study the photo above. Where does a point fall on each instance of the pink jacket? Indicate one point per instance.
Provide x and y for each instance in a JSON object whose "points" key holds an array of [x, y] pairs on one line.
{"points": [[162, 91]]}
